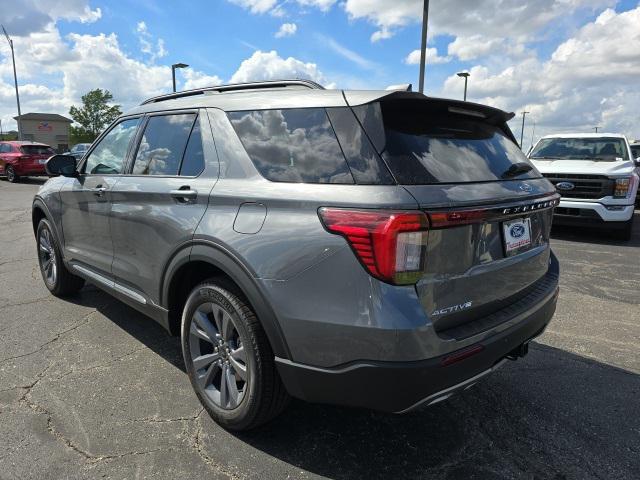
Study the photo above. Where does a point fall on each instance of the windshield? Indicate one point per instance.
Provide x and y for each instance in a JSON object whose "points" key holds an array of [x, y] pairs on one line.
{"points": [[421, 146], [592, 148], [37, 150]]}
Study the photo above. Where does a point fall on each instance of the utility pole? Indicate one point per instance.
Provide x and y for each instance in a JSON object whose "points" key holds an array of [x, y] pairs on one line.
{"points": [[423, 48], [15, 80], [524, 114]]}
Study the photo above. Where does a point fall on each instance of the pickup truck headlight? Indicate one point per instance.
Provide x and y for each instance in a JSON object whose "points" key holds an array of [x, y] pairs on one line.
{"points": [[622, 187]]}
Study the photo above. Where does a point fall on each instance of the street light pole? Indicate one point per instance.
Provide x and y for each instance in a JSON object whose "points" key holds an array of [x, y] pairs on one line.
{"points": [[423, 48], [173, 72], [466, 77], [524, 114], [596, 129], [15, 80]]}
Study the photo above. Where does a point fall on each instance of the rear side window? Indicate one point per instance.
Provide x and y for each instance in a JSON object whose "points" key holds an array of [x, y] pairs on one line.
{"points": [[422, 146], [5, 148], [163, 144], [37, 150], [292, 145]]}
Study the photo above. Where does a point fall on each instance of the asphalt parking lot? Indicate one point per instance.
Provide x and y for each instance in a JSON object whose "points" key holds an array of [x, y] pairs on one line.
{"points": [[91, 389]]}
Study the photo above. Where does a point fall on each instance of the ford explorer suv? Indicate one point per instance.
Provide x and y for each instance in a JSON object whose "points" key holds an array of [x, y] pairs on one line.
{"points": [[596, 176], [19, 159], [374, 249]]}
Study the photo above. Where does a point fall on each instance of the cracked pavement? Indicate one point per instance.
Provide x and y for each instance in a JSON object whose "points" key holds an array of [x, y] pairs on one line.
{"points": [[89, 388]]}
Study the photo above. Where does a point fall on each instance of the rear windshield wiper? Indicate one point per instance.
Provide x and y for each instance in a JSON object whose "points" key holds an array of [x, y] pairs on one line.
{"points": [[517, 169]]}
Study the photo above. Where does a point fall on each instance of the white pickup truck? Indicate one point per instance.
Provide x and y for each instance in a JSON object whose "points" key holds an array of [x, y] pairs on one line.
{"points": [[596, 176]]}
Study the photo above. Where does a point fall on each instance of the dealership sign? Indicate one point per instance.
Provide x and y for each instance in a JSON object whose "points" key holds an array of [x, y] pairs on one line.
{"points": [[44, 127]]}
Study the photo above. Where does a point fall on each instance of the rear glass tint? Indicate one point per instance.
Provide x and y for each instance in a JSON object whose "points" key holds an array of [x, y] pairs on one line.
{"points": [[37, 150], [422, 146], [292, 145]]}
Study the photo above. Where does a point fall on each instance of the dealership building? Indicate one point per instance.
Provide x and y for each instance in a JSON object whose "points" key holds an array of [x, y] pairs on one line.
{"points": [[49, 128]]}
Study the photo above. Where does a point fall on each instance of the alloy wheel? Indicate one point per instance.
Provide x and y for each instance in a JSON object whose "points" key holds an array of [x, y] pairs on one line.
{"points": [[47, 255], [218, 356], [11, 175]]}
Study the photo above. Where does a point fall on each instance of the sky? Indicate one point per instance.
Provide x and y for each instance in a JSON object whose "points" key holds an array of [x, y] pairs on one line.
{"points": [[573, 64]]}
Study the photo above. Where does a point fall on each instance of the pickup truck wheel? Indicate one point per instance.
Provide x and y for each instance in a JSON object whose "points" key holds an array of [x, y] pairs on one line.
{"points": [[626, 231], [228, 358], [56, 277], [11, 174]]}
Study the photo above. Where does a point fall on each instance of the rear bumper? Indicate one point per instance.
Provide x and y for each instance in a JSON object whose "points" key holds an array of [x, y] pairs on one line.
{"points": [[400, 386], [590, 213], [28, 169]]}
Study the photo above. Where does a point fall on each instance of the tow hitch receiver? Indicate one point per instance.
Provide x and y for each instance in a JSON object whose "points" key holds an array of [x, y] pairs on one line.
{"points": [[519, 352]]}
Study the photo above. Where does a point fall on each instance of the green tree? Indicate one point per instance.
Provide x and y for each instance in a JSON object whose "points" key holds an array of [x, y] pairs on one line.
{"points": [[93, 116]]}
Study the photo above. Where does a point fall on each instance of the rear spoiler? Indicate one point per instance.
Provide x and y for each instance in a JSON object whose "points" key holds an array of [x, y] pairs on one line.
{"points": [[490, 115]]}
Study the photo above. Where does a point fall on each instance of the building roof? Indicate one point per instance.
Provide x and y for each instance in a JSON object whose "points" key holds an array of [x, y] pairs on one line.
{"points": [[44, 116]]}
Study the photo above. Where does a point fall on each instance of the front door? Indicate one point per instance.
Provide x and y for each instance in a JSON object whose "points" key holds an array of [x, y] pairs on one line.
{"points": [[86, 200], [159, 201]]}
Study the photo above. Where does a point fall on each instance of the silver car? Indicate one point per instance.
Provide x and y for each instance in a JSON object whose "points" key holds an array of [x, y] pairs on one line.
{"points": [[375, 249]]}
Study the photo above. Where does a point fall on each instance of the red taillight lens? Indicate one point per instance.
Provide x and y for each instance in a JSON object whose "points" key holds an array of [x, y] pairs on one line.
{"points": [[391, 245]]}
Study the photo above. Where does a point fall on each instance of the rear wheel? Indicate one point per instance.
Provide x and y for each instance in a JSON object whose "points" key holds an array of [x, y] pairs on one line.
{"points": [[56, 277], [11, 174], [228, 358]]}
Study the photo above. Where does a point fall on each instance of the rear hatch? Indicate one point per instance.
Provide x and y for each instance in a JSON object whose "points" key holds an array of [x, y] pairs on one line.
{"points": [[490, 210], [36, 154]]}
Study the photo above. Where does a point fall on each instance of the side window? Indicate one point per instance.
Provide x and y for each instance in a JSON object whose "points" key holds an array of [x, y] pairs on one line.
{"points": [[163, 144], [293, 145], [3, 148], [110, 153], [193, 161]]}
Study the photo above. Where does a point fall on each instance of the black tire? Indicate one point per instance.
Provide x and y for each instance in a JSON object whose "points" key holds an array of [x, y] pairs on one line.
{"points": [[263, 395], [11, 174], [62, 282], [626, 232]]}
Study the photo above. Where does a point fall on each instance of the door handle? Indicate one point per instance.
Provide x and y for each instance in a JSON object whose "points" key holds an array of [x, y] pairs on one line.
{"points": [[99, 190], [184, 194]]}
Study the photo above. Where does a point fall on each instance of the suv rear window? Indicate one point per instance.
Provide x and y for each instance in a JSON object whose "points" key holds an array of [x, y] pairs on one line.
{"points": [[37, 150], [422, 146], [292, 145]]}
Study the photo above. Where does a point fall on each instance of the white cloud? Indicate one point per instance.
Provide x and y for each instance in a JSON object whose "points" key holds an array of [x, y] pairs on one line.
{"points": [[195, 79], [432, 57], [34, 15], [345, 52], [286, 30], [147, 46], [323, 5], [270, 66], [277, 10], [590, 79], [256, 6]]}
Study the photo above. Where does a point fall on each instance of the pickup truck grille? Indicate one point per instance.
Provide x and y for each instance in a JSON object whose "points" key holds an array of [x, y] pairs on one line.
{"points": [[585, 186]]}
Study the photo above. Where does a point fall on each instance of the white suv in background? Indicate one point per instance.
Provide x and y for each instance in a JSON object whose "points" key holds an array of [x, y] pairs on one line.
{"points": [[596, 176]]}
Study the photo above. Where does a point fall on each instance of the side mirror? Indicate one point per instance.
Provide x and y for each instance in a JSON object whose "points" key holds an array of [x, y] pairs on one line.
{"points": [[61, 165], [637, 161]]}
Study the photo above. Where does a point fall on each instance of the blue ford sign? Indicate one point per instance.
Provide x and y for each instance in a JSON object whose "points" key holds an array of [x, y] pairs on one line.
{"points": [[517, 230], [565, 186]]}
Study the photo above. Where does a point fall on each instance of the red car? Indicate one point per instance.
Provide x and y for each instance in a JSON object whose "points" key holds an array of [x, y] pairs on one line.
{"points": [[19, 159]]}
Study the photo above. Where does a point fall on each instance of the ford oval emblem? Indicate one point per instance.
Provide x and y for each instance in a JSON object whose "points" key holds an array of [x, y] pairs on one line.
{"points": [[517, 231], [565, 186], [525, 187]]}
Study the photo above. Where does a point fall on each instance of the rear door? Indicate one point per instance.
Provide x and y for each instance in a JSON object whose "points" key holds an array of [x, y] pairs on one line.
{"points": [[490, 210], [86, 200], [157, 205]]}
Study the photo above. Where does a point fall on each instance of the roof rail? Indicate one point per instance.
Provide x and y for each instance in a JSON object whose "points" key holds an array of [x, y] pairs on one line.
{"points": [[237, 86]]}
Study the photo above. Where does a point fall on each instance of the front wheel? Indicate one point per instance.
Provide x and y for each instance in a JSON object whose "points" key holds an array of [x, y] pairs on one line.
{"points": [[228, 358], [56, 277]]}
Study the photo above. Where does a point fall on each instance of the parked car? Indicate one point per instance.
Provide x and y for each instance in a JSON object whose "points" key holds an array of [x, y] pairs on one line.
{"points": [[595, 175], [375, 249], [78, 150], [18, 159], [635, 150]]}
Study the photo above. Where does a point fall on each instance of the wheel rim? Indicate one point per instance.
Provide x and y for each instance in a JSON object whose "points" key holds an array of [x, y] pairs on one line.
{"points": [[10, 174], [47, 256], [218, 356]]}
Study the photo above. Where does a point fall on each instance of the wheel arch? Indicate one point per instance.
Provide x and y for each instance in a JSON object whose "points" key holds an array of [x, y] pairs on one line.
{"points": [[39, 210], [201, 260]]}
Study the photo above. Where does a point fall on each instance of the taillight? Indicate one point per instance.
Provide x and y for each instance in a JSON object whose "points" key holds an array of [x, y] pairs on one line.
{"points": [[391, 245]]}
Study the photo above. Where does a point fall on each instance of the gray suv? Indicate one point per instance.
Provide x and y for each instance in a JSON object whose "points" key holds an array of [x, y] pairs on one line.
{"points": [[375, 249]]}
